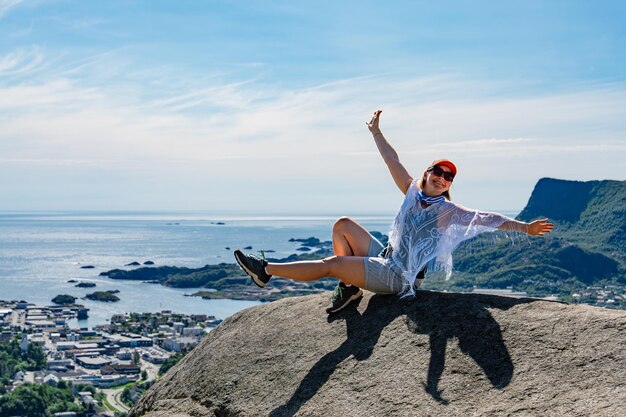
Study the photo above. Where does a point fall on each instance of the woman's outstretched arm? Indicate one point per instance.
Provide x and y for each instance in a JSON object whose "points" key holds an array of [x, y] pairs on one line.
{"points": [[468, 217], [534, 228], [390, 156]]}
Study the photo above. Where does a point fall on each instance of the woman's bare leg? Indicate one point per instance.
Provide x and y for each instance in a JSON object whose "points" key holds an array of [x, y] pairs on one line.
{"points": [[349, 269], [350, 238]]}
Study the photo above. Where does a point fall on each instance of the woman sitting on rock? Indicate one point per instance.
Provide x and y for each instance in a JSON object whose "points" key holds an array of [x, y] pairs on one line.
{"points": [[425, 232]]}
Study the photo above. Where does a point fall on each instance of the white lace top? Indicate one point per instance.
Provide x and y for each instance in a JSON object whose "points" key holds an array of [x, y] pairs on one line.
{"points": [[421, 236]]}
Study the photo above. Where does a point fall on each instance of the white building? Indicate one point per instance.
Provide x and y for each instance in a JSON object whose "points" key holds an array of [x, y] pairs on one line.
{"points": [[193, 332], [124, 354], [37, 339], [92, 362], [154, 356], [50, 379], [164, 328], [65, 345], [180, 344], [129, 340], [103, 381], [5, 312]]}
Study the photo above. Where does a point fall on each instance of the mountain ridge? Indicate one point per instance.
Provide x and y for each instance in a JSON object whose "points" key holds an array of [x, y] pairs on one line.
{"points": [[580, 208]]}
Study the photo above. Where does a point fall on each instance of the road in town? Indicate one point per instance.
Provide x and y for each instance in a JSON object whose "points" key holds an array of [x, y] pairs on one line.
{"points": [[113, 397], [151, 369]]}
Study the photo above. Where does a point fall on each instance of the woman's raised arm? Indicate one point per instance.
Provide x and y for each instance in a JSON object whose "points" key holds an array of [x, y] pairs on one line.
{"points": [[390, 156]]}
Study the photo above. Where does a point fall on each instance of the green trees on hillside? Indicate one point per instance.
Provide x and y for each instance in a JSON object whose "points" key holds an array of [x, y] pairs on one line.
{"points": [[12, 359], [38, 400], [170, 362]]}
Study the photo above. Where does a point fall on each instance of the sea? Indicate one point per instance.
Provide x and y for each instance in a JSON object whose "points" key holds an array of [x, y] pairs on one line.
{"points": [[41, 251]]}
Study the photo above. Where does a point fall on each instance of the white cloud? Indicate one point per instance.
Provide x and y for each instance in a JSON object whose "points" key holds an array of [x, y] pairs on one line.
{"points": [[516, 147], [21, 62], [6, 5], [219, 135]]}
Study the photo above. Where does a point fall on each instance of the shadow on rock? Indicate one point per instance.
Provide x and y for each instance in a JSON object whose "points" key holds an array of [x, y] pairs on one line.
{"points": [[441, 316]]}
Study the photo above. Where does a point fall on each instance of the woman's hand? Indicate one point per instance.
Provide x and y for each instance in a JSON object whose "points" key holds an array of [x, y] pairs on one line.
{"points": [[373, 124], [539, 227]]}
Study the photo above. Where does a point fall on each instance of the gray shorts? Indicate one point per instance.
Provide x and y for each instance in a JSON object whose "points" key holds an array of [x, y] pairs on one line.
{"points": [[382, 276]]}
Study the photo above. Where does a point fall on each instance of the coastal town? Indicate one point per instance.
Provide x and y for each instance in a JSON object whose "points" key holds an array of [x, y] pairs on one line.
{"points": [[103, 361]]}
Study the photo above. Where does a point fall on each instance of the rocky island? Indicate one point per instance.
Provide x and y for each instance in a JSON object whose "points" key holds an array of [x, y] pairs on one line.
{"points": [[105, 296], [64, 299]]}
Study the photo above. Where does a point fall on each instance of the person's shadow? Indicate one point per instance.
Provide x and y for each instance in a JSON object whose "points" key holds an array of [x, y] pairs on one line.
{"points": [[441, 316]]}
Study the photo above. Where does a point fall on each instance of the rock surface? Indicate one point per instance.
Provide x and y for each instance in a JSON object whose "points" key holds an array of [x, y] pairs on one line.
{"points": [[435, 354]]}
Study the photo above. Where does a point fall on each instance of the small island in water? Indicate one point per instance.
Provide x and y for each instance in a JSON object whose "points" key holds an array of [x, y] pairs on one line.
{"points": [[106, 296], [64, 299]]}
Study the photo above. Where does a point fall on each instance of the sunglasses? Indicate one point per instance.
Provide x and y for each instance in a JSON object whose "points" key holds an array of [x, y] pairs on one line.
{"points": [[438, 172]]}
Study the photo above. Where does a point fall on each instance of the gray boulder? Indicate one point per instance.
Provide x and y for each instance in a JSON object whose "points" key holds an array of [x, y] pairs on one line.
{"points": [[433, 354]]}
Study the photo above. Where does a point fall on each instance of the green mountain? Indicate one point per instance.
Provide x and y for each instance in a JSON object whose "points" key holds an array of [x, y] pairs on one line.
{"points": [[592, 213], [586, 248]]}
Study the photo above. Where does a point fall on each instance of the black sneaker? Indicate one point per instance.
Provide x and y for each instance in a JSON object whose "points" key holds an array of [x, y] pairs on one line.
{"points": [[343, 296], [253, 266]]}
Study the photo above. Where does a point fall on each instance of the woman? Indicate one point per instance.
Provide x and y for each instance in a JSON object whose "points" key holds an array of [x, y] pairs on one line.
{"points": [[425, 232]]}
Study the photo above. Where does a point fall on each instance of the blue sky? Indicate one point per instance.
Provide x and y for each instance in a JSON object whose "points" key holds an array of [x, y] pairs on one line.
{"points": [[260, 106]]}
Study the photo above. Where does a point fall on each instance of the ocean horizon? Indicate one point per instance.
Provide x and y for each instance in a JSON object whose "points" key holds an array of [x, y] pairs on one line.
{"points": [[43, 250]]}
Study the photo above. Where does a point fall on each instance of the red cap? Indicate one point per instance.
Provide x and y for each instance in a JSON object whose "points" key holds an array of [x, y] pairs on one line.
{"points": [[446, 163]]}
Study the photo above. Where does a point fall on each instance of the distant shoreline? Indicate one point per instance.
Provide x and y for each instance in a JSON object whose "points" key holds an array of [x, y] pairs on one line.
{"points": [[228, 281]]}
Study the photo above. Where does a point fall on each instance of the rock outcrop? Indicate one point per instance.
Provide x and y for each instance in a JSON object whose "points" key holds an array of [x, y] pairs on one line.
{"points": [[434, 354]]}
